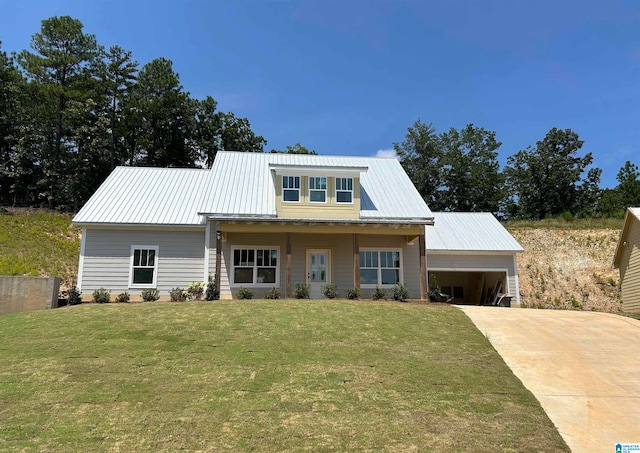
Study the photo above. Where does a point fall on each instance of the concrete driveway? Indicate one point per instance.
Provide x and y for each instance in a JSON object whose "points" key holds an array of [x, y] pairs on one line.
{"points": [[583, 367]]}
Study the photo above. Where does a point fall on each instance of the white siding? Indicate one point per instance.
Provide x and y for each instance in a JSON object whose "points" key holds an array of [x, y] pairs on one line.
{"points": [[481, 262], [107, 252]]}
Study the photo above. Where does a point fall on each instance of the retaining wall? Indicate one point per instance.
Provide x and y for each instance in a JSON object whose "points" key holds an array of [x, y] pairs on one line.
{"points": [[18, 294]]}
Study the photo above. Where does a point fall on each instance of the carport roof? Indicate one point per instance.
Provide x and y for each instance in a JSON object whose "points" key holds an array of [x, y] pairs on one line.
{"points": [[469, 232]]}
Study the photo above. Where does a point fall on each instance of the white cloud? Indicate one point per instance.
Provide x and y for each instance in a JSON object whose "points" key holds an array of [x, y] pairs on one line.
{"points": [[386, 153]]}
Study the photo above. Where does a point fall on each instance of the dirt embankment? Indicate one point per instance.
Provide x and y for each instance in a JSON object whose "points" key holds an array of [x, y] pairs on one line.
{"points": [[568, 269]]}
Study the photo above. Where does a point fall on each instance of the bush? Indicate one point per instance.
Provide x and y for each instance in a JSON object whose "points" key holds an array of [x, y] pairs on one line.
{"points": [[150, 294], [178, 295], [330, 291], [212, 292], [196, 290], [379, 294], [74, 296], [123, 298], [273, 293], [400, 292], [352, 293], [246, 293], [301, 291], [101, 296]]}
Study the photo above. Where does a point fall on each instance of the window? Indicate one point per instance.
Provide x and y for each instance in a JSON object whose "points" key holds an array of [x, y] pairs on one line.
{"points": [[291, 188], [255, 266], [144, 266], [344, 190], [380, 267], [318, 189]]}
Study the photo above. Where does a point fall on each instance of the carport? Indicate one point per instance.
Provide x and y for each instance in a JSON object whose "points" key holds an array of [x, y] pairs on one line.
{"points": [[473, 257]]}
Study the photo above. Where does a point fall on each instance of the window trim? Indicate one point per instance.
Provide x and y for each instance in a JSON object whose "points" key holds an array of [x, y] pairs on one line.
{"points": [[379, 268], [154, 283], [288, 188], [325, 190], [255, 248], [343, 190]]}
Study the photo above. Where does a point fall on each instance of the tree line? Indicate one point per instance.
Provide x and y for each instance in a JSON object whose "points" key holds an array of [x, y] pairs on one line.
{"points": [[71, 110], [458, 170]]}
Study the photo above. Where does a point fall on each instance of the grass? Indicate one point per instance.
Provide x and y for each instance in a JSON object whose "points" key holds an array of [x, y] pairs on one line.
{"points": [[260, 376], [38, 242], [573, 224]]}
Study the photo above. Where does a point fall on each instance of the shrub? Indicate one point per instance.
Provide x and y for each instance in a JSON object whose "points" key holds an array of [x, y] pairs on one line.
{"points": [[123, 298], [330, 291], [352, 293], [400, 292], [178, 295], [273, 293], [196, 290], [379, 294], [74, 296], [434, 289], [246, 293], [101, 296], [301, 291], [150, 294], [212, 292]]}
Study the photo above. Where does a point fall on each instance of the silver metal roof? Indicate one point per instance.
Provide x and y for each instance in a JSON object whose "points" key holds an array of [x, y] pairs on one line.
{"points": [[147, 196], [242, 185], [469, 232]]}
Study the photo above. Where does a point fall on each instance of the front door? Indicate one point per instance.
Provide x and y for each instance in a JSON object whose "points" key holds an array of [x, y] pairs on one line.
{"points": [[318, 271]]}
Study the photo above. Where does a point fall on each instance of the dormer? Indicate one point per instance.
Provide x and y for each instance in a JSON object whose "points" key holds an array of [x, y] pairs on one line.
{"points": [[317, 192]]}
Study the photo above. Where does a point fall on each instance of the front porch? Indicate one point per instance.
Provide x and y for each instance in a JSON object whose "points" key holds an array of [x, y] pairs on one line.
{"points": [[264, 255]]}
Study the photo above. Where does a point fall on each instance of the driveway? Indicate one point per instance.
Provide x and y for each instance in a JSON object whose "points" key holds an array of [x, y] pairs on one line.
{"points": [[583, 367]]}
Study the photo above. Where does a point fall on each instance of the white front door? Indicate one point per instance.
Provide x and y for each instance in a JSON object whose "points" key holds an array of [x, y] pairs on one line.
{"points": [[318, 271]]}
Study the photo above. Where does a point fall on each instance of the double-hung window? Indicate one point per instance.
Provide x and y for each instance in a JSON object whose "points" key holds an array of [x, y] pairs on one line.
{"points": [[255, 266], [291, 188], [380, 267], [344, 190], [144, 266], [318, 189]]}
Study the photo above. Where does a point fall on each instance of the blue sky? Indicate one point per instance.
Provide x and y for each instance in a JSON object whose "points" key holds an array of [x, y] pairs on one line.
{"points": [[349, 77]]}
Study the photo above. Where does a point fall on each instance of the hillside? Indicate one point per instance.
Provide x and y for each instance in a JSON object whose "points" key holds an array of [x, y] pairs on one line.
{"points": [[568, 267], [565, 264]]}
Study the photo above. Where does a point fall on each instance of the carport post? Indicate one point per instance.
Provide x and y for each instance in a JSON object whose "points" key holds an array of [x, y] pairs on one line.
{"points": [[423, 267]]}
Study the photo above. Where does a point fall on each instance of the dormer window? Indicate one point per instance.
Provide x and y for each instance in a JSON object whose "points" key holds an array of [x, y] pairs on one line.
{"points": [[291, 188], [344, 190], [318, 189]]}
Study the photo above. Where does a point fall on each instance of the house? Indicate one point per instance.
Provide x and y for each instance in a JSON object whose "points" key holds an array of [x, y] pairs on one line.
{"points": [[261, 221], [473, 257], [627, 259]]}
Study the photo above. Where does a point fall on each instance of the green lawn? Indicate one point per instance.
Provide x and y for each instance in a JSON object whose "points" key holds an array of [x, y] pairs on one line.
{"points": [[260, 376]]}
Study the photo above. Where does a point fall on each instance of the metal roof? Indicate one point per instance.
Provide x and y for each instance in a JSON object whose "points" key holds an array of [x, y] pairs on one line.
{"points": [[242, 185], [628, 217], [147, 196], [469, 232]]}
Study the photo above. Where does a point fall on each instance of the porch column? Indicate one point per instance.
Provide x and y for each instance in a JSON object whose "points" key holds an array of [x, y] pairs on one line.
{"points": [[356, 261], [423, 269], [218, 258], [287, 271]]}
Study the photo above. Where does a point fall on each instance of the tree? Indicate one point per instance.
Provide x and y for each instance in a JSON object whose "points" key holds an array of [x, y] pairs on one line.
{"points": [[236, 135], [471, 172], [119, 76], [629, 185], [60, 69], [546, 180], [295, 149], [422, 158]]}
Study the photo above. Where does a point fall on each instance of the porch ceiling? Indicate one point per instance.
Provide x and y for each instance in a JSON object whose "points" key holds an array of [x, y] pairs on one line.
{"points": [[410, 230]]}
